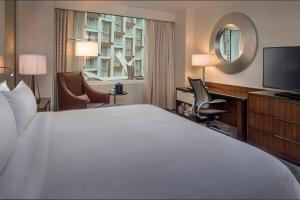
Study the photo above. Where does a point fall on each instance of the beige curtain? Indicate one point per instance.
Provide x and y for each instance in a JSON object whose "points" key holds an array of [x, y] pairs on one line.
{"points": [[69, 25], [61, 39], [159, 77]]}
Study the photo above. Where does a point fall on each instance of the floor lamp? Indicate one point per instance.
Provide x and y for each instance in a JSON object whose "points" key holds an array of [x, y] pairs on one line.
{"points": [[201, 60], [86, 48], [33, 65]]}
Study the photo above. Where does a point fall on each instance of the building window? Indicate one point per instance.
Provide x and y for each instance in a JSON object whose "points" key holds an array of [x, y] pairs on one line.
{"points": [[121, 46]]}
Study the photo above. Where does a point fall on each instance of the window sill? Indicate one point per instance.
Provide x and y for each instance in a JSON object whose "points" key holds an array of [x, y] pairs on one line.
{"points": [[112, 82]]}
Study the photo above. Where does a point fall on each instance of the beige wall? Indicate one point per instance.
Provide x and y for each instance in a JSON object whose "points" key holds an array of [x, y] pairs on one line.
{"points": [[2, 23], [277, 24], [180, 48], [184, 47], [35, 34]]}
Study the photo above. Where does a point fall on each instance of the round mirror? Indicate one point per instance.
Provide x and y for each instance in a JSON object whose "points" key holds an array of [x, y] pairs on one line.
{"points": [[233, 43], [230, 43]]}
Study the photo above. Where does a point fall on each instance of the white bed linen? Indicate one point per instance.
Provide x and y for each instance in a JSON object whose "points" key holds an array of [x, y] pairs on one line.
{"points": [[137, 152]]}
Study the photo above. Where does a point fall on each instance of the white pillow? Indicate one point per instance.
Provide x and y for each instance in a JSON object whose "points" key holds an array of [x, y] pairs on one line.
{"points": [[8, 132], [23, 104], [4, 87]]}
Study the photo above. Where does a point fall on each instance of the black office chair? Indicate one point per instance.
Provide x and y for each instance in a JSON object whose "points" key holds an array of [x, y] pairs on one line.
{"points": [[201, 107]]}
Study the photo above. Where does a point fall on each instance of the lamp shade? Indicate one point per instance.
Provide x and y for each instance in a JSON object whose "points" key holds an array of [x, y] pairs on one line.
{"points": [[86, 48], [32, 64], [201, 60], [1, 64]]}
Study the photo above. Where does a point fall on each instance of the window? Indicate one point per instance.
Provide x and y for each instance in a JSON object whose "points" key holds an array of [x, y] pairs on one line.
{"points": [[121, 46]]}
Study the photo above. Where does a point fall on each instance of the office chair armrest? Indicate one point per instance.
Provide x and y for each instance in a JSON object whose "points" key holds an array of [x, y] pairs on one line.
{"points": [[217, 101], [202, 104], [211, 102]]}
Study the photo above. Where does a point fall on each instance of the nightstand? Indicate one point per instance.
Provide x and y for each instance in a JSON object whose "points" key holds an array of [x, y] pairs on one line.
{"points": [[44, 105]]}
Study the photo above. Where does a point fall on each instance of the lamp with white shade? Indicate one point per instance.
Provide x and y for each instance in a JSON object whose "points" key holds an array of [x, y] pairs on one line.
{"points": [[86, 48], [201, 60], [33, 65]]}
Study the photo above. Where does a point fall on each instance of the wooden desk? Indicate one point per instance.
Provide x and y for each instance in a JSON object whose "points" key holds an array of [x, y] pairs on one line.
{"points": [[236, 105]]}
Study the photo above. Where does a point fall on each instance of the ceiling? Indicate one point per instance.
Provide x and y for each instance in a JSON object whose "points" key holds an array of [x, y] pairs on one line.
{"points": [[177, 5]]}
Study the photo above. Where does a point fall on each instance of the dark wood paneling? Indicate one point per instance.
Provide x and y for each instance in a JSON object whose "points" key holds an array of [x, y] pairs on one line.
{"points": [[287, 111], [232, 90], [236, 105], [274, 124]]}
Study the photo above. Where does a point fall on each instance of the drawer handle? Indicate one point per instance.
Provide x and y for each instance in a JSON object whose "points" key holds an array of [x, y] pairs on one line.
{"points": [[288, 121], [286, 139]]}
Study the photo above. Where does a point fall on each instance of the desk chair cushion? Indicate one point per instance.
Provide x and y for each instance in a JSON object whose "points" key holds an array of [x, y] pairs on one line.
{"points": [[201, 94], [203, 101]]}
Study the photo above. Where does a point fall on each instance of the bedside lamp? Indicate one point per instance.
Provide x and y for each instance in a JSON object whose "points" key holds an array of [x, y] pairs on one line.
{"points": [[33, 65], [201, 60]]}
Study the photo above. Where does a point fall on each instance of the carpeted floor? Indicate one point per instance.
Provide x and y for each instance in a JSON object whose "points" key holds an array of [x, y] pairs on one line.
{"points": [[223, 128]]}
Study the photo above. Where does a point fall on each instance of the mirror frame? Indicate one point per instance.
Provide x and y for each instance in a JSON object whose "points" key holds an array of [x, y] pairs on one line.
{"points": [[249, 39]]}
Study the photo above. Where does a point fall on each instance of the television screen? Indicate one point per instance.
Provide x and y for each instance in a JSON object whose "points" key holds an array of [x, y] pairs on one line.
{"points": [[282, 68]]}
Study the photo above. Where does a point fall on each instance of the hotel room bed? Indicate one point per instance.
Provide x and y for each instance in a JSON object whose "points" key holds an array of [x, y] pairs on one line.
{"points": [[136, 152]]}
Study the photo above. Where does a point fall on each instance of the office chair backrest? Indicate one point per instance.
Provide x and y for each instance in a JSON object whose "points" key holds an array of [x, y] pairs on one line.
{"points": [[201, 94]]}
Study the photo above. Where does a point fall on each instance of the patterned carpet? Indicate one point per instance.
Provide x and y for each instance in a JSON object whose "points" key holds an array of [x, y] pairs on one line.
{"points": [[223, 128]]}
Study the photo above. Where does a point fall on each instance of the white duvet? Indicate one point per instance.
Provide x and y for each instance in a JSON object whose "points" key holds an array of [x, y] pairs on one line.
{"points": [[135, 152]]}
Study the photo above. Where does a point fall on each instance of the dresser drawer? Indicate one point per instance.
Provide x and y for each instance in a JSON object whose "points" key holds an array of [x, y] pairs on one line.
{"points": [[186, 97], [286, 148], [260, 122], [290, 131], [262, 105], [287, 111], [260, 138]]}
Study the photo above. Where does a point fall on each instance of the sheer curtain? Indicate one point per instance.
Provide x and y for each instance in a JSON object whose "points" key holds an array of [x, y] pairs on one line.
{"points": [[159, 80]]}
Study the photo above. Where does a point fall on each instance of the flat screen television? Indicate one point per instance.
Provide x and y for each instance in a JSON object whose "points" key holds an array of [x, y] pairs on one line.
{"points": [[281, 68]]}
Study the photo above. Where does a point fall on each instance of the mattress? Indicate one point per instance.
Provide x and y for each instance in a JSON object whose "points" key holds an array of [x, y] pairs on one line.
{"points": [[137, 152]]}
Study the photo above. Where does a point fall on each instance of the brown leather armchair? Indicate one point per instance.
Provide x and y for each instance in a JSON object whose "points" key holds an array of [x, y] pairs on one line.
{"points": [[71, 85]]}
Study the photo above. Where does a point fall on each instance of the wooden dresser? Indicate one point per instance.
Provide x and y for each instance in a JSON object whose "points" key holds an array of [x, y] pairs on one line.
{"points": [[274, 124]]}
